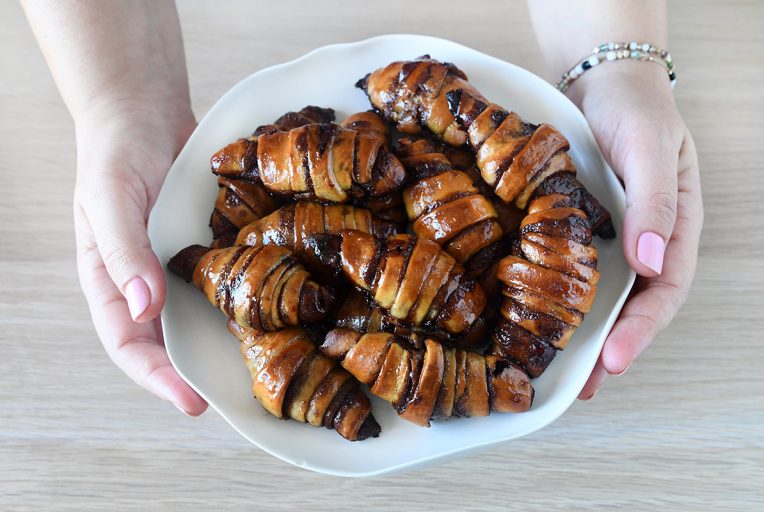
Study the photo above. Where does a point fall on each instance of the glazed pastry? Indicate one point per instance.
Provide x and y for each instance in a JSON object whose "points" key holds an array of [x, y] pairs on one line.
{"points": [[322, 162], [412, 95], [291, 120], [369, 123], [263, 288], [460, 157], [434, 382], [548, 285], [521, 160], [445, 207], [241, 201], [358, 313], [294, 225], [291, 378], [388, 207], [508, 215], [414, 281], [238, 203], [514, 157]]}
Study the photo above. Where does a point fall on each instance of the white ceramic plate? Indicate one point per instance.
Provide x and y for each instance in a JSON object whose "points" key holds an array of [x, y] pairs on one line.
{"points": [[207, 356]]}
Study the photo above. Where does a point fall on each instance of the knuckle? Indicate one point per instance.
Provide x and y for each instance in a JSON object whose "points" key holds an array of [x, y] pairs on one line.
{"points": [[662, 205], [670, 302], [106, 188], [118, 259], [136, 362]]}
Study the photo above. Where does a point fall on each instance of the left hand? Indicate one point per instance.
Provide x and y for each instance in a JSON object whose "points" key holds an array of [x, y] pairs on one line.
{"points": [[631, 109]]}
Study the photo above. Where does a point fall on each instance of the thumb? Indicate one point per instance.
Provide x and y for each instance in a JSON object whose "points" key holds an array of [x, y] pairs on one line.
{"points": [[650, 179], [116, 206]]}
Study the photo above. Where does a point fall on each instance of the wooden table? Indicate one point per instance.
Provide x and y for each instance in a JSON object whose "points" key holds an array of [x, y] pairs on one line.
{"points": [[683, 430]]}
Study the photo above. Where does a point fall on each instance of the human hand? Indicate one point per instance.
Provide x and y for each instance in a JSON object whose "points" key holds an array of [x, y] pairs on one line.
{"points": [[125, 149], [631, 110]]}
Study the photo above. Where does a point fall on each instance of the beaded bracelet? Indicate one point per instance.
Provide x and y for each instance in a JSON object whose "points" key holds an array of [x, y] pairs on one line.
{"points": [[618, 51]]}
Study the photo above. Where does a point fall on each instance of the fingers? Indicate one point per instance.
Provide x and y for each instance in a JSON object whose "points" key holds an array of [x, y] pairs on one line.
{"points": [[116, 208], [596, 379], [643, 317], [137, 349], [145, 360], [650, 178], [650, 310]]}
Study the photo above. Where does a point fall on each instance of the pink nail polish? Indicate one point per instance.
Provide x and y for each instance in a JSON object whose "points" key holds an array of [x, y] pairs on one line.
{"points": [[181, 409], [650, 249], [138, 297]]}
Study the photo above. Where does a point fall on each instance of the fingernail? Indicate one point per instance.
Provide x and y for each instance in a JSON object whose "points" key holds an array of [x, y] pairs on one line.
{"points": [[592, 395], [181, 409], [650, 249], [138, 297], [623, 371]]}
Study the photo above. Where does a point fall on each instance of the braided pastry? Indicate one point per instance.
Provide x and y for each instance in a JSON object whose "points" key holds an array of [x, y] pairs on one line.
{"points": [[416, 283], [264, 288], [316, 161], [436, 382], [445, 207], [514, 156], [548, 285], [294, 226], [292, 379]]}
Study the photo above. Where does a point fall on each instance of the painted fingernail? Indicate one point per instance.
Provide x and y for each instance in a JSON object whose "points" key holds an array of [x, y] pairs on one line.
{"points": [[181, 409], [138, 297], [650, 249]]}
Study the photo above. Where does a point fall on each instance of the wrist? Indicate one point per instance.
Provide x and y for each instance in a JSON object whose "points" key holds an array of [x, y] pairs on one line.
{"points": [[169, 116], [616, 76], [145, 134], [133, 103]]}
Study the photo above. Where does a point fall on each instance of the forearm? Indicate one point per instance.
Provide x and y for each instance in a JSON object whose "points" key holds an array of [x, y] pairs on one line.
{"points": [[567, 30], [108, 52]]}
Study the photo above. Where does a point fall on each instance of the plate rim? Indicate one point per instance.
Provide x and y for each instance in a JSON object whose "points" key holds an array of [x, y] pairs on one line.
{"points": [[450, 453]]}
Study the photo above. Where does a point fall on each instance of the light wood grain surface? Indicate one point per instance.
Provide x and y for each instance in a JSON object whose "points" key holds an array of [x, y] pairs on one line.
{"points": [[683, 430]]}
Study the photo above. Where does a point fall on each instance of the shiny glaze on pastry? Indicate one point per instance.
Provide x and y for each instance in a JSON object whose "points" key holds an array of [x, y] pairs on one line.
{"points": [[369, 123], [412, 95], [514, 157], [433, 382], [264, 288], [414, 281], [359, 313], [317, 161], [444, 206], [241, 201], [549, 284], [521, 160], [292, 379], [390, 206], [294, 225]]}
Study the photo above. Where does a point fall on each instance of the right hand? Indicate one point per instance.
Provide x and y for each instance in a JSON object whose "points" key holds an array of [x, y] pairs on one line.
{"points": [[124, 150]]}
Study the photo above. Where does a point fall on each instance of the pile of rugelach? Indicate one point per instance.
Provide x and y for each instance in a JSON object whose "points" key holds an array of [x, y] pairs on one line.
{"points": [[437, 249]]}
